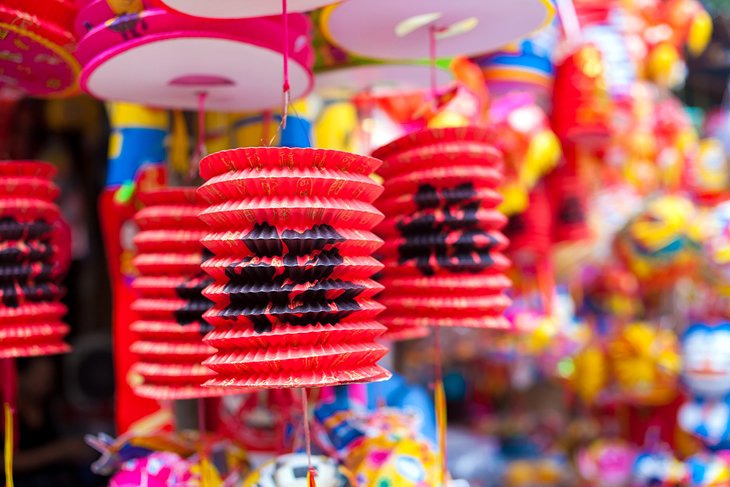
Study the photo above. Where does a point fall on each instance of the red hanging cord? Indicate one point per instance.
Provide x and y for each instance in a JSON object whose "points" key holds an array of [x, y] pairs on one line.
{"points": [[286, 88], [200, 145], [432, 58], [311, 472], [202, 429], [440, 403], [8, 365]]}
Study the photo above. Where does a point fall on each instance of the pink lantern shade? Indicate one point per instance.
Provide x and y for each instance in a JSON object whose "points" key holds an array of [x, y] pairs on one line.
{"points": [[379, 29], [239, 9]]}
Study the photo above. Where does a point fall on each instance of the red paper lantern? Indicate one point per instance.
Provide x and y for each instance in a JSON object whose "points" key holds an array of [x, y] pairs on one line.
{"points": [[171, 304], [291, 233], [581, 104], [33, 258], [568, 195], [443, 257]]}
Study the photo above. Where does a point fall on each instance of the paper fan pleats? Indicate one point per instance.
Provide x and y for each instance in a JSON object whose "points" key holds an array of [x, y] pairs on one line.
{"points": [[170, 305], [443, 252], [291, 234], [33, 254]]}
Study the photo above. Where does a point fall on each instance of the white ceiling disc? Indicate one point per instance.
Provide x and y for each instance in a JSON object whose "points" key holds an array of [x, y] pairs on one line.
{"points": [[400, 29]]}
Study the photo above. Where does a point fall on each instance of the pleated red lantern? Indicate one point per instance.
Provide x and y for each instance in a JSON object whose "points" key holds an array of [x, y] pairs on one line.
{"points": [[568, 195], [170, 347], [530, 235], [443, 257], [581, 104], [34, 254], [290, 230]]}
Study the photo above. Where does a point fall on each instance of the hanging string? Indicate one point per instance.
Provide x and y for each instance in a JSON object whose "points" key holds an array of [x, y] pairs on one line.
{"points": [[439, 393], [569, 20], [9, 411], [207, 474], [311, 472], [286, 88], [440, 400], [266, 119], [200, 144], [432, 30]]}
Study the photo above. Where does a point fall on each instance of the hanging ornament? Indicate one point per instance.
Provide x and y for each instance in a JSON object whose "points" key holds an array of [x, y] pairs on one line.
{"points": [[443, 257], [706, 376], [658, 468], [645, 363], [716, 249], [606, 463], [661, 244], [170, 347], [707, 470], [525, 66], [293, 470], [290, 230]]}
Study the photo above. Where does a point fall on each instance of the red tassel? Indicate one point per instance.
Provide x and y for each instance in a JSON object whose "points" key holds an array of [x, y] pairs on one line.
{"points": [[311, 474]]}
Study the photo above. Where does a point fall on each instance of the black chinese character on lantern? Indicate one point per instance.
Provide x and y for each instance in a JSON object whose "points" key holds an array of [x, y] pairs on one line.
{"points": [[288, 279], [25, 263], [191, 291], [571, 211], [445, 232], [129, 26]]}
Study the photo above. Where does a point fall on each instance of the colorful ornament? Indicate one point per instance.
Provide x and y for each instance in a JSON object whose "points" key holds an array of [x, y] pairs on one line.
{"points": [[707, 470], [590, 374], [164, 460], [706, 361], [706, 375], [292, 471], [660, 244], [645, 363], [658, 469], [708, 173], [606, 463], [523, 66], [716, 248], [530, 147]]}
